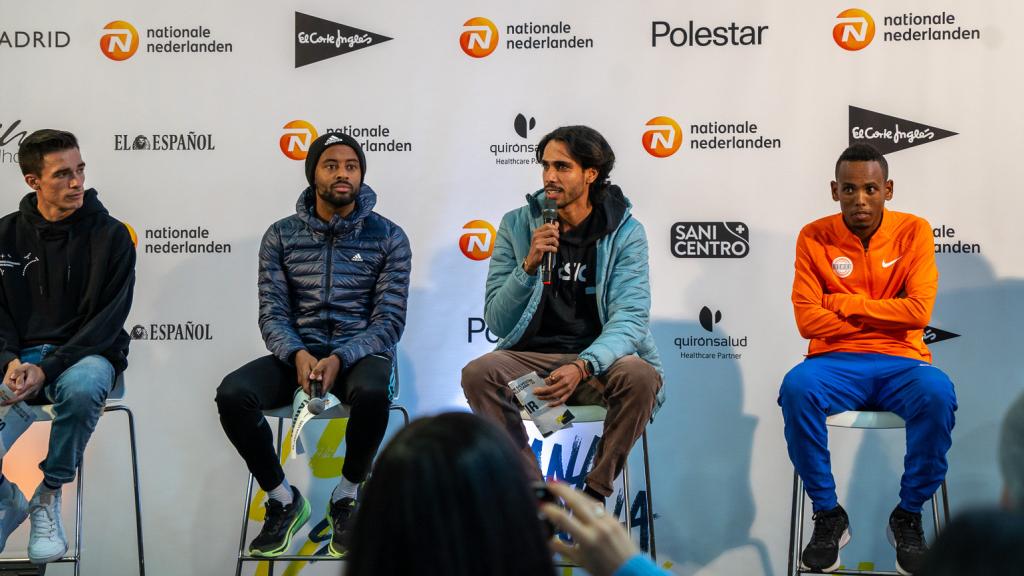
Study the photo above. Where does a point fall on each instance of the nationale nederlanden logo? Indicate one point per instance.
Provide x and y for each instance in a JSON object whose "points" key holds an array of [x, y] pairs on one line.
{"points": [[477, 242], [479, 37], [296, 138], [120, 41], [663, 137], [854, 30]]}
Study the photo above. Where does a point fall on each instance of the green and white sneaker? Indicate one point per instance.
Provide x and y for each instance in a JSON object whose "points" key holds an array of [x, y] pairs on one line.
{"points": [[280, 525]]}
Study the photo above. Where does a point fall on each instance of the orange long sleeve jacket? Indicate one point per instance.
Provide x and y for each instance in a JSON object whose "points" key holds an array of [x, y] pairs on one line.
{"points": [[847, 298]]}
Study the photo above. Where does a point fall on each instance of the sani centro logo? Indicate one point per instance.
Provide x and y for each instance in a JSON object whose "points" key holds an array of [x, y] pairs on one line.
{"points": [[854, 30], [479, 37], [842, 266], [477, 242], [121, 42], [663, 137], [297, 136]]}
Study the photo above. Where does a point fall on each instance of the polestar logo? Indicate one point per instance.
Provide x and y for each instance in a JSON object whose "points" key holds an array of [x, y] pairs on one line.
{"points": [[887, 264], [357, 258]]}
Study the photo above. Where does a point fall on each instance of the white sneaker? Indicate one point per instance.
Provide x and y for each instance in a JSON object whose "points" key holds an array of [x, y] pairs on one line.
{"points": [[46, 541], [13, 510]]}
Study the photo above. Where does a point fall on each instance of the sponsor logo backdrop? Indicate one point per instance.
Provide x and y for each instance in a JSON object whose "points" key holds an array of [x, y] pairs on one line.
{"points": [[726, 119]]}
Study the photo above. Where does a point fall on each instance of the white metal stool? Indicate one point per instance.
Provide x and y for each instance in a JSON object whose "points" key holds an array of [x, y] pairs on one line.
{"points": [[283, 413], [592, 413], [866, 421], [114, 403]]}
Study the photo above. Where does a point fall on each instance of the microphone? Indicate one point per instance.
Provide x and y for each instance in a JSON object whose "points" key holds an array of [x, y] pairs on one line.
{"points": [[316, 404], [550, 217]]}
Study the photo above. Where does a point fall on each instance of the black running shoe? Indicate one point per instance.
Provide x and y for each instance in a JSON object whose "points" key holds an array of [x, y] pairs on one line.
{"points": [[831, 532], [341, 515], [907, 537], [279, 525]]}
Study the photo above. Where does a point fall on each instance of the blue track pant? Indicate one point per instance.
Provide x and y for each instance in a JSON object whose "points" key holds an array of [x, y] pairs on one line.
{"points": [[916, 391]]}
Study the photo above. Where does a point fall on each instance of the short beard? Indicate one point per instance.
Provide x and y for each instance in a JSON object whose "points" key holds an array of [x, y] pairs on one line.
{"points": [[336, 199]]}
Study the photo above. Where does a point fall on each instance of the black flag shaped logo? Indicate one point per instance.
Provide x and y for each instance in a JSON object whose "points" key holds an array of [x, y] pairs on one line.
{"points": [[933, 335], [889, 133], [317, 39]]}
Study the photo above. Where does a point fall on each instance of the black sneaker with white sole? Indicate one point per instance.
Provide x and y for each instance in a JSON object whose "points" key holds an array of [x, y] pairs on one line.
{"points": [[907, 537], [279, 525], [341, 515], [831, 532]]}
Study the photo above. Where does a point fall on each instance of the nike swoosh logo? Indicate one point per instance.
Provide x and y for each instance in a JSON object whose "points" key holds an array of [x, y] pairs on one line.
{"points": [[887, 264]]}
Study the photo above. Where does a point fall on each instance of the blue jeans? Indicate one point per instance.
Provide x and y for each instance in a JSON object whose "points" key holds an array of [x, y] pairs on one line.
{"points": [[828, 384], [77, 396]]}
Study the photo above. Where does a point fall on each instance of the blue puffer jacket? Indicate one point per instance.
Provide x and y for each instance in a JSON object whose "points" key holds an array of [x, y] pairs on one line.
{"points": [[622, 283], [334, 287]]}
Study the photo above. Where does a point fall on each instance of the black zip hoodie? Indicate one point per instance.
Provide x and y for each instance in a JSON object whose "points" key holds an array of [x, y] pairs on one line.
{"points": [[68, 283]]}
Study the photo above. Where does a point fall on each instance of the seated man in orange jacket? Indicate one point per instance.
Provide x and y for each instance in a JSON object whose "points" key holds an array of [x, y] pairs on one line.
{"points": [[863, 292]]}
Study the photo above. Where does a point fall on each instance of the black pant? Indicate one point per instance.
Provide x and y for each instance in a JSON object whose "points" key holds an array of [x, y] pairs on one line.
{"points": [[268, 383]]}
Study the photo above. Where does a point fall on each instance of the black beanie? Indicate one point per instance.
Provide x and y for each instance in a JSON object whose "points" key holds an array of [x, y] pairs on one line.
{"points": [[316, 149]]}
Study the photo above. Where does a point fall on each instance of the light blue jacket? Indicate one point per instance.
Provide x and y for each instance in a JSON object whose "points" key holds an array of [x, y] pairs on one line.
{"points": [[622, 284]]}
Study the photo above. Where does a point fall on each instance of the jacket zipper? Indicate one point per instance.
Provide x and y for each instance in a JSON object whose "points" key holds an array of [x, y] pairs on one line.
{"points": [[330, 284]]}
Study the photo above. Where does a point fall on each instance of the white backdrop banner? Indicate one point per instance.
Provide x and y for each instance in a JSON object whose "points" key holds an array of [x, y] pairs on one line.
{"points": [[726, 119]]}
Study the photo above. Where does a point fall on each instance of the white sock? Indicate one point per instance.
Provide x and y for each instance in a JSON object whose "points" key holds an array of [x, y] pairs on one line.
{"points": [[344, 489], [283, 493]]}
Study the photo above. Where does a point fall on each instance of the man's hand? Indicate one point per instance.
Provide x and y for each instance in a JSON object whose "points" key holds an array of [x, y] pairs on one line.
{"points": [[326, 371], [561, 384], [304, 364], [26, 382], [545, 239], [602, 546], [9, 374]]}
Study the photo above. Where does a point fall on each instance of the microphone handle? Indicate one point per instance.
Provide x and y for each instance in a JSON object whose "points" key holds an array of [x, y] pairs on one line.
{"points": [[548, 264]]}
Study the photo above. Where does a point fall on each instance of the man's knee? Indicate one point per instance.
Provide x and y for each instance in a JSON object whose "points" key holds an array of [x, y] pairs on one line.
{"points": [[83, 388], [799, 385], [479, 373], [232, 393], [936, 393], [635, 376]]}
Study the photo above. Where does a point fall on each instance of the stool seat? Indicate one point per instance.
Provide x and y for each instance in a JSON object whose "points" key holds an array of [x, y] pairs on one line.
{"points": [[865, 420]]}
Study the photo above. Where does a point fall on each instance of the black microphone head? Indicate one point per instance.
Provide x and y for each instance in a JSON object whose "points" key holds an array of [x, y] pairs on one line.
{"points": [[550, 210]]}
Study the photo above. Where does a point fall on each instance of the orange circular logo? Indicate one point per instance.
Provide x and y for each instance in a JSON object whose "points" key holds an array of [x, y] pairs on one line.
{"points": [[120, 42], [297, 136], [131, 232], [855, 29], [663, 137], [479, 37], [477, 242]]}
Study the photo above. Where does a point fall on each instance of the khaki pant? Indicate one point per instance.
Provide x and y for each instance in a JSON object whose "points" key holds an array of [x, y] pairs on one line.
{"points": [[628, 389]]}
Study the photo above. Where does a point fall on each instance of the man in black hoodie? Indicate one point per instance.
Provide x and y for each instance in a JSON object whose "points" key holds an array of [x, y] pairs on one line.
{"points": [[67, 270]]}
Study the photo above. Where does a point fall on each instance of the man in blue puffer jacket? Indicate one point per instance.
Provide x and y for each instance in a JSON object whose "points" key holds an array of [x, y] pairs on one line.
{"points": [[333, 284], [588, 332]]}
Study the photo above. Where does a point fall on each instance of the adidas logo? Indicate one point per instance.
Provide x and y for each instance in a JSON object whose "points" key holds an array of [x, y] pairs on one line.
{"points": [[333, 140], [357, 258]]}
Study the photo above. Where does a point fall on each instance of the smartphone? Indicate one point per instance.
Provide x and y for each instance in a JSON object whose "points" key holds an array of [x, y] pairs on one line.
{"points": [[543, 494]]}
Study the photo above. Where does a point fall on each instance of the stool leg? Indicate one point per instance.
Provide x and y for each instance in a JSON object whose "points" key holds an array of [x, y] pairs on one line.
{"points": [[135, 482], [405, 413], [245, 526], [650, 501], [80, 490], [945, 503], [935, 513], [627, 503], [796, 526]]}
